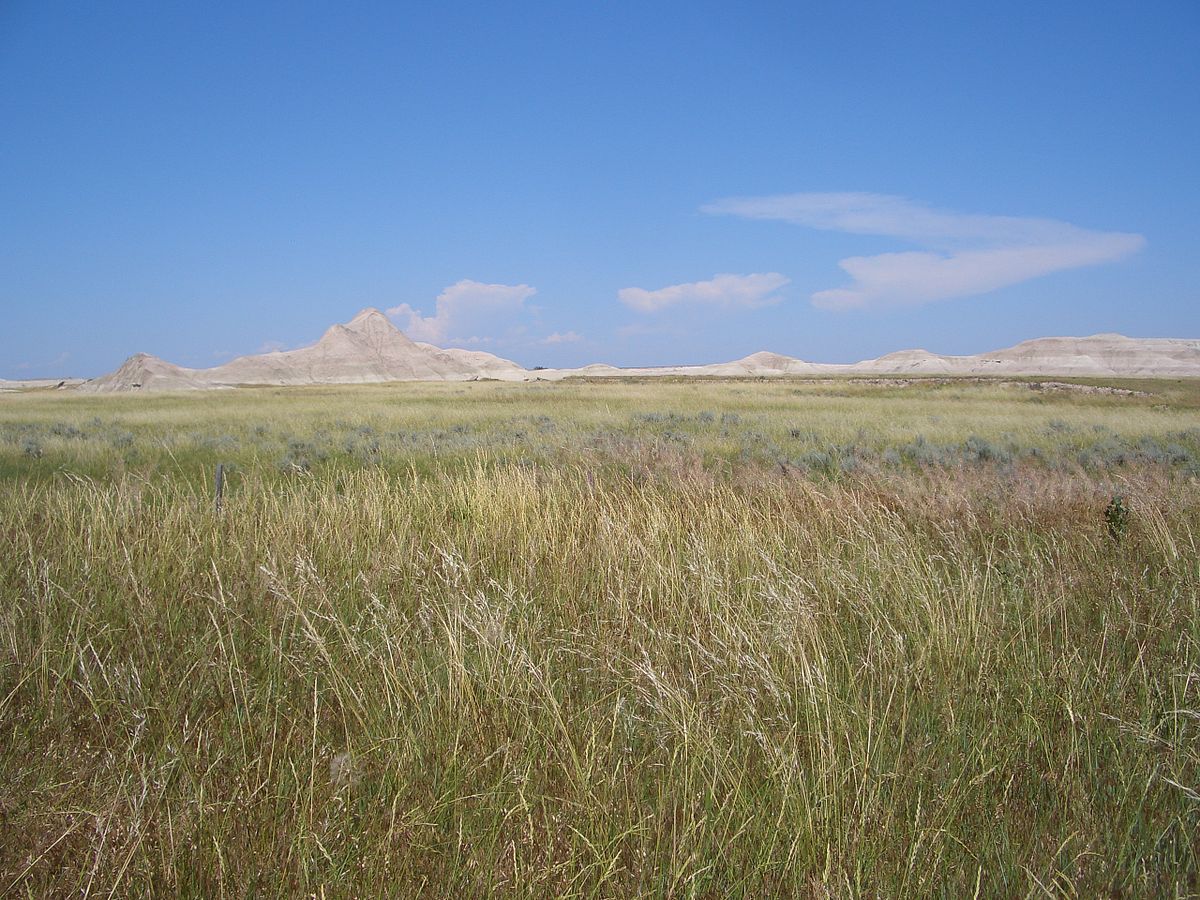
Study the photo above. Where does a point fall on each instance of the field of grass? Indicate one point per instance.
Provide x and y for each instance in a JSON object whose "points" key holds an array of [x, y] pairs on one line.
{"points": [[744, 638]]}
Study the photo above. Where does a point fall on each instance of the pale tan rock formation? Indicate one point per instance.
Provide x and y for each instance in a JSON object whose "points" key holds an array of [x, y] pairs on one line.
{"points": [[1101, 355], [369, 348], [37, 384], [145, 372], [1098, 355]]}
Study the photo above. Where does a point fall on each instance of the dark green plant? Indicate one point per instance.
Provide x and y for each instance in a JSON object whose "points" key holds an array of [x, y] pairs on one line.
{"points": [[1116, 517]]}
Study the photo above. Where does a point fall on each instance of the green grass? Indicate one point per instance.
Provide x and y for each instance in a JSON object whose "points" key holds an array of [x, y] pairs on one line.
{"points": [[621, 639], [804, 425]]}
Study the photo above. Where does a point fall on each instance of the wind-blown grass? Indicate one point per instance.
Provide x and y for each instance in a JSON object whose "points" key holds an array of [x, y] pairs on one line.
{"points": [[564, 673], [819, 426]]}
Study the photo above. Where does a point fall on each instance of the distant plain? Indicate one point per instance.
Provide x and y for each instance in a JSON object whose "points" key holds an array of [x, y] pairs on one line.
{"points": [[624, 638]]}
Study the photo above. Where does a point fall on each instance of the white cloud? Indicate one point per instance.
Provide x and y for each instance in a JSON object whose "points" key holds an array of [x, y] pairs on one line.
{"points": [[59, 360], [564, 337], [460, 310], [726, 291], [966, 254]]}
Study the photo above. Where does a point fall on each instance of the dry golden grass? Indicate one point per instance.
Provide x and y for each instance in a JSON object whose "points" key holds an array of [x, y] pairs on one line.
{"points": [[566, 667]]}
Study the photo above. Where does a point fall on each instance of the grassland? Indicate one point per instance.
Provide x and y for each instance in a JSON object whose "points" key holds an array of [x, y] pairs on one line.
{"points": [[602, 640]]}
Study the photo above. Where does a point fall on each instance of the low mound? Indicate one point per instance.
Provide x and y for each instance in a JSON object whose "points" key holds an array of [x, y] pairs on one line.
{"points": [[1098, 355], [145, 372], [1102, 354], [368, 348]]}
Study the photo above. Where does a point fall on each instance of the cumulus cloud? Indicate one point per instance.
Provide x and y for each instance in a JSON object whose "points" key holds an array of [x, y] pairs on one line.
{"points": [[562, 337], [463, 308], [728, 291], [963, 255]]}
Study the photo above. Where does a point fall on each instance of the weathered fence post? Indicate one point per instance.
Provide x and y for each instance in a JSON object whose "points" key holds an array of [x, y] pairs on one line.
{"points": [[219, 483]]}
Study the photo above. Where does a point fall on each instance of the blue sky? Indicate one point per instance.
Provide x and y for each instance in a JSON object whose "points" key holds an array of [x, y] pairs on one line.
{"points": [[565, 183]]}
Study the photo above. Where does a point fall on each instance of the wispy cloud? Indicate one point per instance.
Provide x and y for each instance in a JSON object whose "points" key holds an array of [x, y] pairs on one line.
{"points": [[58, 360], [461, 309], [728, 291], [965, 254], [562, 337]]}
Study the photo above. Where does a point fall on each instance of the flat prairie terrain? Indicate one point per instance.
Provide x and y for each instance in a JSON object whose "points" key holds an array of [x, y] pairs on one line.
{"points": [[633, 638]]}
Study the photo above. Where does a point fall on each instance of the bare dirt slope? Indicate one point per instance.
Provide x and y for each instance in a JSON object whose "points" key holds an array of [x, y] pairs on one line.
{"points": [[369, 348], [34, 384], [1099, 355]]}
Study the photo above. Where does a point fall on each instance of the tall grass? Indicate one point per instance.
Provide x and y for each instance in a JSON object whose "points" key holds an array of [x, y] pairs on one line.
{"points": [[826, 427], [482, 676]]}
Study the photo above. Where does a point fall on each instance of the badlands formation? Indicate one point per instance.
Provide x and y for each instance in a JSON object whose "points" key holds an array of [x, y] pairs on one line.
{"points": [[29, 384], [369, 348]]}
